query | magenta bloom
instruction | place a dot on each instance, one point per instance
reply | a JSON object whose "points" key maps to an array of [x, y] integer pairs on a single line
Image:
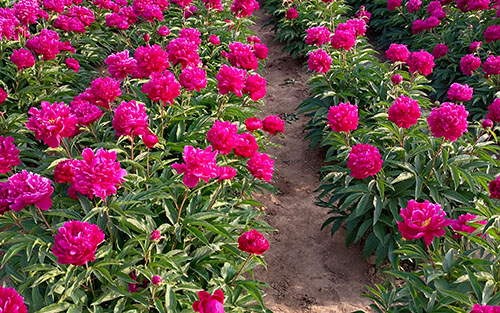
{"points": [[150, 140], [215, 40], [226, 173], [150, 59], [413, 5], [393, 4], [164, 31], [85, 112], [359, 26], [244, 8], [9, 24], [3, 95], [461, 225], [253, 242], [343, 117], [494, 188], [261, 166], [104, 91], [9, 154], [183, 51], [223, 136], [344, 37], [253, 123], [423, 219], [51, 123], [246, 146], [22, 58], [255, 86], [76, 243], [492, 66], [319, 61], [397, 53], [492, 33], [469, 63], [131, 119], [156, 280], [193, 78], [487, 123], [364, 160], [440, 50], [64, 171], [475, 45], [421, 62], [404, 112], [120, 65], [477, 308], [291, 14], [98, 174], [26, 188], [155, 235], [273, 124], [318, 35], [448, 121], [162, 87], [460, 92], [231, 79], [396, 79], [241, 55], [209, 303], [46, 44], [4, 201], [200, 164], [11, 301], [72, 64], [363, 14], [494, 111]]}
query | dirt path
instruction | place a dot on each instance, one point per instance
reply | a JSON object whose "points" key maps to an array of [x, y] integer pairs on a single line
{"points": [[308, 270]]}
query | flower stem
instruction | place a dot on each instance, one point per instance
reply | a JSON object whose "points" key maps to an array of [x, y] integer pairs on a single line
{"points": [[179, 210], [430, 257], [147, 164], [66, 148], [132, 148], [347, 139], [43, 218], [90, 279], [18, 222], [215, 196], [241, 269]]}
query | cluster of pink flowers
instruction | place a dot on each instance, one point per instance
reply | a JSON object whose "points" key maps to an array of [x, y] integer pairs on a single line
{"points": [[85, 112], [492, 33], [9, 154], [427, 24], [253, 242], [460, 92], [494, 111], [477, 308], [76, 243], [241, 55], [469, 63], [319, 61], [244, 8], [363, 14], [22, 58], [121, 19], [11, 301], [440, 50], [45, 44], [231, 79], [421, 62], [261, 166], [423, 220], [364, 160], [9, 24], [113, 5], [460, 224], [223, 136], [150, 9], [393, 4], [343, 117], [193, 78], [52, 123], [150, 59], [120, 65], [345, 35], [448, 121], [131, 119], [318, 35], [76, 19], [397, 53], [208, 303], [413, 5], [27, 188], [435, 9], [162, 87], [405, 112], [199, 164], [491, 66]]}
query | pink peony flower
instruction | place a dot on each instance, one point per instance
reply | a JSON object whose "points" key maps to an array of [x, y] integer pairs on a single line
{"points": [[461, 225], [223, 136], [253, 242], [52, 122], [12, 302], [192, 34], [253, 123], [215, 40], [319, 61], [363, 14], [98, 174], [469, 63], [156, 280], [193, 78], [448, 121], [4, 202], [231, 79], [460, 92], [164, 31], [491, 66], [72, 64], [397, 53], [291, 13], [150, 140], [150, 59], [358, 25], [190, 11], [183, 51], [423, 219], [485, 309], [421, 62], [255, 86], [318, 35], [26, 188], [244, 8], [396, 79], [76, 243], [393, 4], [241, 55], [475, 45], [413, 5], [273, 124], [440, 50], [155, 236], [404, 112], [260, 50], [215, 5], [343, 117], [246, 145], [162, 87], [199, 164], [104, 91], [261, 166], [46, 43], [226, 173], [85, 112], [3, 96], [22, 58], [418, 26], [364, 160], [494, 188], [492, 33], [120, 65], [131, 119], [487, 123], [209, 303], [436, 9], [9, 24], [344, 37], [9, 154], [494, 111], [64, 172]]}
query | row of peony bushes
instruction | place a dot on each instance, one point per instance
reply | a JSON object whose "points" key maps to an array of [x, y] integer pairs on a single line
{"points": [[414, 180], [129, 151]]}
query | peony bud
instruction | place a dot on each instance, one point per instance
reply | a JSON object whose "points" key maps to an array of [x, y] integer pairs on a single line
{"points": [[156, 280], [155, 236], [150, 140], [396, 79]]}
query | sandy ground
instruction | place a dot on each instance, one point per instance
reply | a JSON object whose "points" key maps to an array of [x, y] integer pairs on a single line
{"points": [[308, 270]]}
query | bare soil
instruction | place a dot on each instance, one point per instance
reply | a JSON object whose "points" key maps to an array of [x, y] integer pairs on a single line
{"points": [[308, 270]]}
